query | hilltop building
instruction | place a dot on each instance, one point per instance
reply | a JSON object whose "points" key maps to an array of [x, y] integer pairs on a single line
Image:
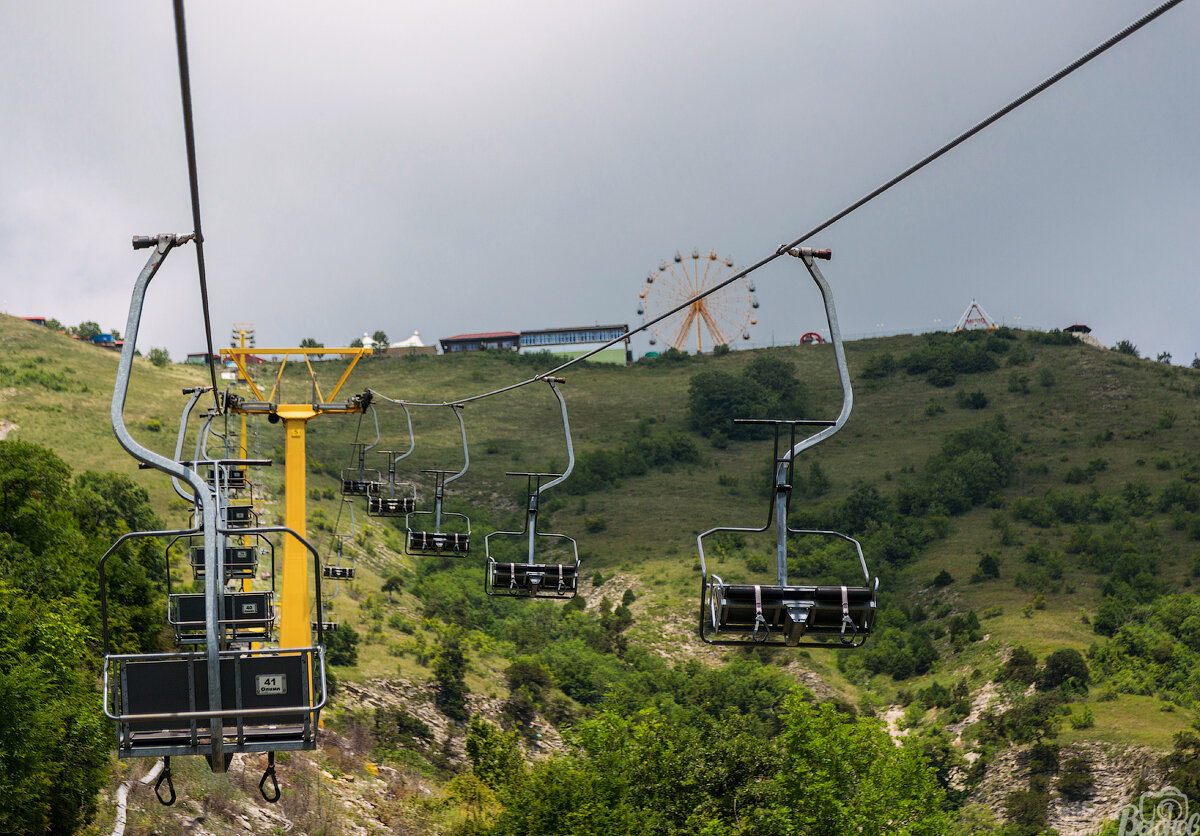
{"points": [[570, 343], [1083, 333], [412, 345], [489, 341]]}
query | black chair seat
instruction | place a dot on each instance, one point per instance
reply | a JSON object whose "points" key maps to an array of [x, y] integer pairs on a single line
{"points": [[535, 580], [276, 682], [248, 616], [240, 561], [388, 506], [429, 542], [792, 613], [339, 572], [239, 516]]}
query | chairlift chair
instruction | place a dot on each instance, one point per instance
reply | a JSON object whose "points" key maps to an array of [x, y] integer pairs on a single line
{"points": [[248, 617], [339, 566], [531, 578], [240, 515], [239, 561], [212, 700], [384, 499], [436, 541], [358, 478], [792, 615], [323, 617], [231, 477]]}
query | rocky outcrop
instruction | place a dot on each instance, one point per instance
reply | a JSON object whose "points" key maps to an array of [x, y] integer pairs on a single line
{"points": [[1117, 772]]}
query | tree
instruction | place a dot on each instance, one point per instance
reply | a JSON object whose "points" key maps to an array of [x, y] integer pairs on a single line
{"points": [[309, 342], [449, 671], [86, 330], [1126, 347], [356, 342], [1163, 357], [381, 341], [394, 583], [716, 398], [341, 646], [1065, 667], [53, 737], [1021, 667], [160, 357], [989, 566], [495, 756], [843, 774]]}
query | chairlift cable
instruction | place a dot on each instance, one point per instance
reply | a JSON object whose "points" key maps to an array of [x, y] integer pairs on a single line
{"points": [[185, 94], [858, 204]]}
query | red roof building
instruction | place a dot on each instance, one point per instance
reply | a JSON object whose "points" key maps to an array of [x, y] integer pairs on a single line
{"points": [[492, 340]]}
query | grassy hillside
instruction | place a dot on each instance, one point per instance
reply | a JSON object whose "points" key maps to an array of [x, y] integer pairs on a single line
{"points": [[1104, 481], [58, 392]]}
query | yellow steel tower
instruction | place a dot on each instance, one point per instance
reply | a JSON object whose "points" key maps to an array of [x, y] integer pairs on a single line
{"points": [[295, 626]]}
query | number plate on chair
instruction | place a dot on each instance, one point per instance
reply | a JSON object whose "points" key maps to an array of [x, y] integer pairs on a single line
{"points": [[270, 683]]}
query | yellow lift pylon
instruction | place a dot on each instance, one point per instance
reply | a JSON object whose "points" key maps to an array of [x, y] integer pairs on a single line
{"points": [[243, 331], [295, 624]]}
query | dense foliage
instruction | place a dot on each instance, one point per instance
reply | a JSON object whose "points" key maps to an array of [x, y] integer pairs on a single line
{"points": [[645, 448], [53, 738], [644, 773], [766, 388]]}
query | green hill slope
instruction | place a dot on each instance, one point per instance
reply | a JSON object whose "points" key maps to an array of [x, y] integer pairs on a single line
{"points": [[1087, 541]]}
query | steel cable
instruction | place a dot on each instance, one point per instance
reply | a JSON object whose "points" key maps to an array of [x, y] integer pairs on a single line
{"points": [[185, 94]]}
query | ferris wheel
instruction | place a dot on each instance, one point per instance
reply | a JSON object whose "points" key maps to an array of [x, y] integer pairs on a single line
{"points": [[716, 319]]}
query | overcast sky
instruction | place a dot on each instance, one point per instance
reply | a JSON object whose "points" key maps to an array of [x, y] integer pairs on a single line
{"points": [[455, 167]]}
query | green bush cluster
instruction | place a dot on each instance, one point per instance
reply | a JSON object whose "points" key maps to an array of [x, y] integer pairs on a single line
{"points": [[643, 450], [945, 355], [824, 772], [1155, 650], [53, 529], [766, 388], [31, 375]]}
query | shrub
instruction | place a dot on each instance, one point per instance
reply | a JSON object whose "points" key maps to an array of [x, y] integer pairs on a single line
{"points": [[1021, 667], [1075, 780], [880, 366], [766, 388], [1085, 719], [595, 523], [972, 400], [1064, 668], [341, 646]]}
